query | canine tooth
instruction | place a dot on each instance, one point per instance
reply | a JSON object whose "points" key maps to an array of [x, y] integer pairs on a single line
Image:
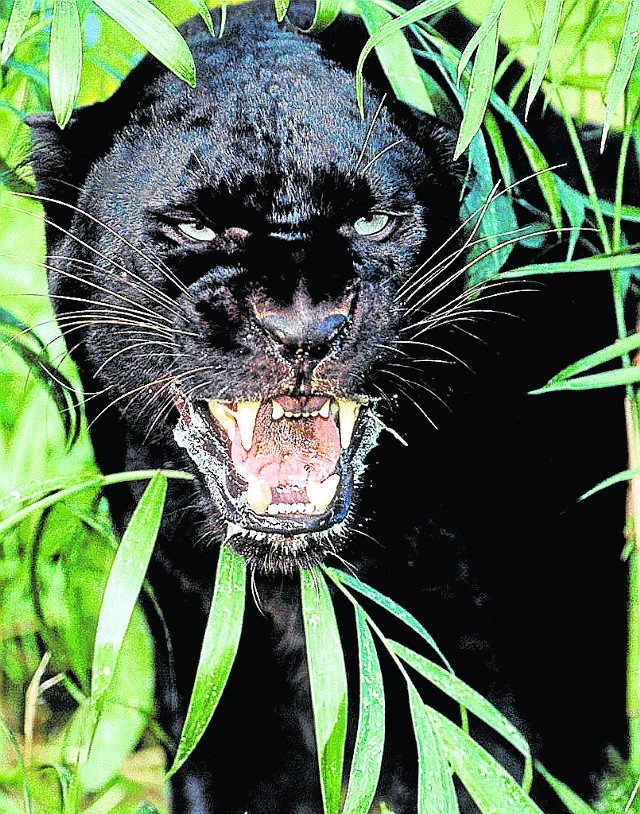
{"points": [[224, 416], [277, 411], [232, 531], [348, 415], [324, 410], [321, 494], [258, 495], [246, 413]]}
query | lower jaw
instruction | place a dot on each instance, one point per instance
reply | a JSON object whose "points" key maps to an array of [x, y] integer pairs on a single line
{"points": [[283, 553]]}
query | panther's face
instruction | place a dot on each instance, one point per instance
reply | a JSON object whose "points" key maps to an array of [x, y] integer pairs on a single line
{"points": [[242, 262]]}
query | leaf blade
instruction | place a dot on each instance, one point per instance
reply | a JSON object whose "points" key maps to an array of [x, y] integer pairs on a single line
{"points": [[125, 583], [219, 648], [21, 11], [548, 35], [436, 791], [155, 31], [328, 682], [65, 59], [367, 752]]}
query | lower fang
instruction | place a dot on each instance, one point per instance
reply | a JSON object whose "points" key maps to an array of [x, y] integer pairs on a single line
{"points": [[321, 494], [258, 495]]}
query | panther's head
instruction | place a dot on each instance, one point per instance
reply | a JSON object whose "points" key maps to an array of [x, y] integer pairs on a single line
{"points": [[237, 264]]}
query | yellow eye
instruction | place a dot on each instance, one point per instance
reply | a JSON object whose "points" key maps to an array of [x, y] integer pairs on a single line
{"points": [[197, 231], [371, 225]]}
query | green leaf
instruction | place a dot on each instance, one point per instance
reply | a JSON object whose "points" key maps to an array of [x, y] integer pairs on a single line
{"points": [[480, 88], [419, 12], [571, 800], [389, 605], [598, 262], [367, 753], [328, 681], [610, 378], [493, 15], [153, 30], [619, 348], [125, 582], [20, 14], [625, 60], [436, 792], [324, 14], [22, 769], [469, 698], [489, 784], [65, 59], [48, 499], [620, 477], [203, 10], [281, 7], [218, 653], [546, 41], [397, 59]]}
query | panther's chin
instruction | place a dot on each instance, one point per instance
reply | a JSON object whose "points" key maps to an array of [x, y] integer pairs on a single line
{"points": [[282, 473]]}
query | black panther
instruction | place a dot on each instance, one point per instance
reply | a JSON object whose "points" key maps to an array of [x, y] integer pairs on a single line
{"points": [[265, 289]]}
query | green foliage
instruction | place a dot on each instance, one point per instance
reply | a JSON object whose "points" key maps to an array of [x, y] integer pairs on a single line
{"points": [[69, 589]]}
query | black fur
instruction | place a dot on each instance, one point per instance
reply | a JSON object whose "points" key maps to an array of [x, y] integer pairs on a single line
{"points": [[474, 527]]}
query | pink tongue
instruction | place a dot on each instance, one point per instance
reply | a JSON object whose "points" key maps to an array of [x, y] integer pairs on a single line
{"points": [[289, 451]]}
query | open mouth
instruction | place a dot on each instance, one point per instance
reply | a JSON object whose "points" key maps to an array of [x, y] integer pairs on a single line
{"points": [[281, 465]]}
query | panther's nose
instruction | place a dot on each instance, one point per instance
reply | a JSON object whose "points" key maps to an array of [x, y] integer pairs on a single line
{"points": [[304, 323]]}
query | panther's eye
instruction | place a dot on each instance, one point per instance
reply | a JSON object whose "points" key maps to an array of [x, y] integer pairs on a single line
{"points": [[197, 231], [371, 225]]}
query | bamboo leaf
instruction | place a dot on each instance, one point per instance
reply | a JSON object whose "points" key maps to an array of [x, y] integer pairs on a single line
{"points": [[489, 784], [625, 60], [43, 501], [492, 17], [419, 12], [65, 59], [436, 791], [397, 59], [153, 30], [389, 605], [620, 477], [367, 753], [203, 10], [22, 769], [610, 378], [328, 681], [324, 14], [598, 262], [618, 349], [468, 698], [125, 582], [574, 804], [281, 7], [20, 14], [219, 648], [480, 88], [546, 41]]}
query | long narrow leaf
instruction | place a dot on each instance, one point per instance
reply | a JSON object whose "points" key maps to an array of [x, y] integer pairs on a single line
{"points": [[625, 60], [155, 31], [396, 58], [484, 66], [619, 477], [469, 698], [328, 681], [65, 59], [610, 378], [125, 582], [367, 753], [219, 648], [618, 349], [20, 13], [324, 14], [546, 41], [419, 12], [489, 784], [571, 800], [26, 795], [389, 605], [436, 791], [599, 262], [493, 15]]}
